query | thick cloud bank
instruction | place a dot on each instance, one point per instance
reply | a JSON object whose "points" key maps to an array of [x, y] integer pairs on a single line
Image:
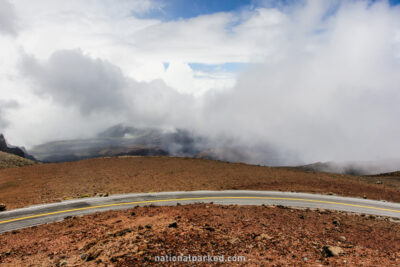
{"points": [[8, 18], [5, 105], [70, 78], [322, 82]]}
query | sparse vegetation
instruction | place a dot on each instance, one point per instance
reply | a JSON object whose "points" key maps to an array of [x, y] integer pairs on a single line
{"points": [[10, 161]]}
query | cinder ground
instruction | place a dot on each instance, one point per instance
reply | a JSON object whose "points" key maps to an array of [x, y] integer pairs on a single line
{"points": [[265, 235], [45, 183]]}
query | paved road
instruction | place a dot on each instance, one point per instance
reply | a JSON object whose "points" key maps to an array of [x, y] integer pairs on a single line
{"points": [[41, 214]]}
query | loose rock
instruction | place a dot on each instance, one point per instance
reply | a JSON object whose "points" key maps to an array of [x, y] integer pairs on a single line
{"points": [[2, 207], [173, 225], [331, 251]]}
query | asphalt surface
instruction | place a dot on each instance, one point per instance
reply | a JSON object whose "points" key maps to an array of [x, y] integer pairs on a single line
{"points": [[41, 214]]}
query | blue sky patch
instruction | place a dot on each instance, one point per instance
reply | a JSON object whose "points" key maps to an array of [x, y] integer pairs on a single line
{"points": [[184, 9], [225, 67]]}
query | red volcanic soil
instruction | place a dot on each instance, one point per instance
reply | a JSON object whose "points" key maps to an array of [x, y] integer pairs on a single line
{"points": [[264, 235], [44, 183]]}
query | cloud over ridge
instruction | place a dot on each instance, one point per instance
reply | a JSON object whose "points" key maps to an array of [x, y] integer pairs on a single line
{"points": [[322, 80]]}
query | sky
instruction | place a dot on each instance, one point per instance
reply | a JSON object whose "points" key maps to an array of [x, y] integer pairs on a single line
{"points": [[182, 9], [314, 80]]}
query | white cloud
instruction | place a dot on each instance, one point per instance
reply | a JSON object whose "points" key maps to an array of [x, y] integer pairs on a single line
{"points": [[71, 78], [8, 18], [337, 101], [322, 82], [188, 81], [5, 105]]}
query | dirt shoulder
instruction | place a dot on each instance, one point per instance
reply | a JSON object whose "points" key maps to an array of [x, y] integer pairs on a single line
{"points": [[262, 234], [45, 183]]}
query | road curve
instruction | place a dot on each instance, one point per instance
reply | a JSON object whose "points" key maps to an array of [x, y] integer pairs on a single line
{"points": [[41, 214]]}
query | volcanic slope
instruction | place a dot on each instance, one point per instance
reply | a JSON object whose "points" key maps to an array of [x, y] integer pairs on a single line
{"points": [[46, 183]]}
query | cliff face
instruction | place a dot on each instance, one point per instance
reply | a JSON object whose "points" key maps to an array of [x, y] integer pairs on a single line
{"points": [[12, 149]]}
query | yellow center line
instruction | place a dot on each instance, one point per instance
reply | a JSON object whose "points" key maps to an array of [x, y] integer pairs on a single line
{"points": [[194, 198]]}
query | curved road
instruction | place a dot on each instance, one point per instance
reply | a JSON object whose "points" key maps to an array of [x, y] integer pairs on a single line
{"points": [[41, 214]]}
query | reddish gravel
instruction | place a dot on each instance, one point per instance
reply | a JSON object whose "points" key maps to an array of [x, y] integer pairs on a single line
{"points": [[265, 235], [46, 183]]}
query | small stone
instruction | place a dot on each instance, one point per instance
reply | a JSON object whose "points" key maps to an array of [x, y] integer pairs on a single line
{"points": [[331, 251], [2, 207], [173, 225], [93, 254], [262, 237], [322, 211], [233, 240], [342, 238], [379, 182], [62, 263], [106, 194], [83, 256], [123, 232]]}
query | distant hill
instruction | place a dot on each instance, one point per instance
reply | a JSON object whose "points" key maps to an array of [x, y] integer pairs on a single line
{"points": [[120, 140], [387, 174], [10, 160], [354, 168]]}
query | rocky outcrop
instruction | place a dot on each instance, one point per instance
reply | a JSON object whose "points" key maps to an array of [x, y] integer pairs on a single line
{"points": [[4, 147]]}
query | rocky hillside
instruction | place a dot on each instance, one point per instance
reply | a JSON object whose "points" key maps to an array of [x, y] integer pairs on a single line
{"points": [[9, 161], [18, 151], [118, 141]]}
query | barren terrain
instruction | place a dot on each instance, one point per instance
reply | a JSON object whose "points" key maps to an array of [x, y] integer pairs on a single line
{"points": [[44, 183], [265, 235]]}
